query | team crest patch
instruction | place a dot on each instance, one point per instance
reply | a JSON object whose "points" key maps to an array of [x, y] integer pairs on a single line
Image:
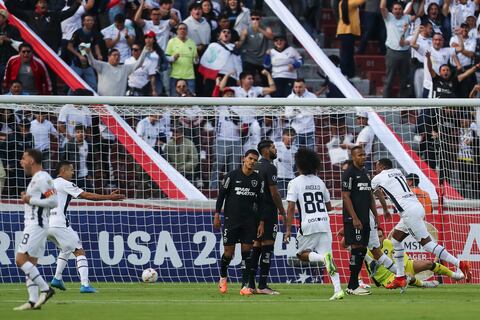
{"points": [[358, 237], [274, 178], [254, 183]]}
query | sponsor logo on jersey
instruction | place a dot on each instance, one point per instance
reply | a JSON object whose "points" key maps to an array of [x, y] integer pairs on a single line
{"points": [[364, 186], [243, 191]]}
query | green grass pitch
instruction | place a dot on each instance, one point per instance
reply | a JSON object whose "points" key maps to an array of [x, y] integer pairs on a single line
{"points": [[202, 301]]}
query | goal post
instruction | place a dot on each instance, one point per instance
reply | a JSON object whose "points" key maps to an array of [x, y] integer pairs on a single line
{"points": [[175, 236]]}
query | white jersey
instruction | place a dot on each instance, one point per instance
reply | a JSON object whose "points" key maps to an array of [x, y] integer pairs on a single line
{"points": [[66, 190], [394, 184], [42, 198], [311, 195]]}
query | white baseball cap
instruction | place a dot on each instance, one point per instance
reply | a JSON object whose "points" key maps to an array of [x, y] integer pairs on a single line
{"points": [[362, 114]]}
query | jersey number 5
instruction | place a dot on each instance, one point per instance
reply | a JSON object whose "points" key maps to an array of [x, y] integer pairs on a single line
{"points": [[313, 202]]}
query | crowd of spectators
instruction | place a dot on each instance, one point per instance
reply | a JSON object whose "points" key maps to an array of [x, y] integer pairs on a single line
{"points": [[225, 48]]}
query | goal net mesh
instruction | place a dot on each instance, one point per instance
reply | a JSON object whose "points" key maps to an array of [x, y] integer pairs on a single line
{"points": [[200, 143]]}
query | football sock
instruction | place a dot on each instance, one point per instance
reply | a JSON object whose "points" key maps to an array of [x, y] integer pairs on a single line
{"points": [[398, 256], [224, 262], [254, 266], [416, 283], [336, 282], [441, 269], [265, 265], [82, 268], [356, 261], [246, 258], [387, 263], [32, 289], [62, 262], [441, 253], [315, 257], [32, 272]]}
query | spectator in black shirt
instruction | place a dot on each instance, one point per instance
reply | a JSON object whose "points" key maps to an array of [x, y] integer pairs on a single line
{"points": [[80, 64], [263, 247], [8, 35], [357, 203], [242, 192], [224, 24], [446, 83]]}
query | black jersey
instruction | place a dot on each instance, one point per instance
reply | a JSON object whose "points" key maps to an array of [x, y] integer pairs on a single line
{"points": [[243, 196], [357, 182], [268, 172]]}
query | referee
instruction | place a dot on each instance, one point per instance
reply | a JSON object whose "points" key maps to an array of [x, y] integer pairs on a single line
{"points": [[357, 202], [242, 192], [272, 205]]}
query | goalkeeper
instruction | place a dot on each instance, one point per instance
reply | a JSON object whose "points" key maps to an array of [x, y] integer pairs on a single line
{"points": [[381, 276]]}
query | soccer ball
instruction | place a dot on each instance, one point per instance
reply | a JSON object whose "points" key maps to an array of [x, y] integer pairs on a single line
{"points": [[149, 275]]}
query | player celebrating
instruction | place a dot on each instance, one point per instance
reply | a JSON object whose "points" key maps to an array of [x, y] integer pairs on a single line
{"points": [[357, 203], [242, 192], [383, 277], [412, 213], [263, 247], [60, 231], [39, 199], [314, 242]]}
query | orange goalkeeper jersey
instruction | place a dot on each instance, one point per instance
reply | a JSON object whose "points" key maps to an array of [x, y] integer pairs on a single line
{"points": [[424, 199]]}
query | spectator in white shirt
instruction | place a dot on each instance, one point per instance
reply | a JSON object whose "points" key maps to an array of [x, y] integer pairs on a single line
{"points": [[120, 35], [284, 61], [465, 57], [79, 152], [439, 56], [43, 131], [285, 160], [199, 30], [300, 119], [72, 24], [154, 131], [364, 139], [71, 116], [397, 59], [142, 81], [228, 145], [156, 24], [425, 38]]}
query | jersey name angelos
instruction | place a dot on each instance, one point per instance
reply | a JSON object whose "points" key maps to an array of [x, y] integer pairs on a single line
{"points": [[394, 184], [311, 195], [66, 190]]}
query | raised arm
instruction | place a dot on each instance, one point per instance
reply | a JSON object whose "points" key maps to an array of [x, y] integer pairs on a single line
{"points": [[138, 15], [271, 84], [429, 64], [383, 9], [468, 73], [62, 15]]}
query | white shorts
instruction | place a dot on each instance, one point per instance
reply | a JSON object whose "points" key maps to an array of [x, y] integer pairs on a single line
{"points": [[65, 238], [373, 240], [412, 222], [320, 242], [33, 241]]}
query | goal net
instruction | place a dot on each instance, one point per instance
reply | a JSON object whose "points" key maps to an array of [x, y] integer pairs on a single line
{"points": [[168, 155]]}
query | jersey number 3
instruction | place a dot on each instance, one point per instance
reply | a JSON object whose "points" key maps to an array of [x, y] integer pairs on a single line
{"points": [[313, 202]]}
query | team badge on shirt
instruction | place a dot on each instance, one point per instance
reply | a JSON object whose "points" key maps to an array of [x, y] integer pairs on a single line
{"points": [[254, 183]]}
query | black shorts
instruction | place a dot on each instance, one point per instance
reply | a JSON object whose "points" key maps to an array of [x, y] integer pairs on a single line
{"points": [[240, 233], [270, 227], [355, 236]]}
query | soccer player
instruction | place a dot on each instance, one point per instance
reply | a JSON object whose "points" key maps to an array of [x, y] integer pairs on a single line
{"points": [[383, 277], [242, 192], [373, 240], [263, 247], [39, 198], [357, 203], [60, 231], [392, 182], [314, 241]]}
